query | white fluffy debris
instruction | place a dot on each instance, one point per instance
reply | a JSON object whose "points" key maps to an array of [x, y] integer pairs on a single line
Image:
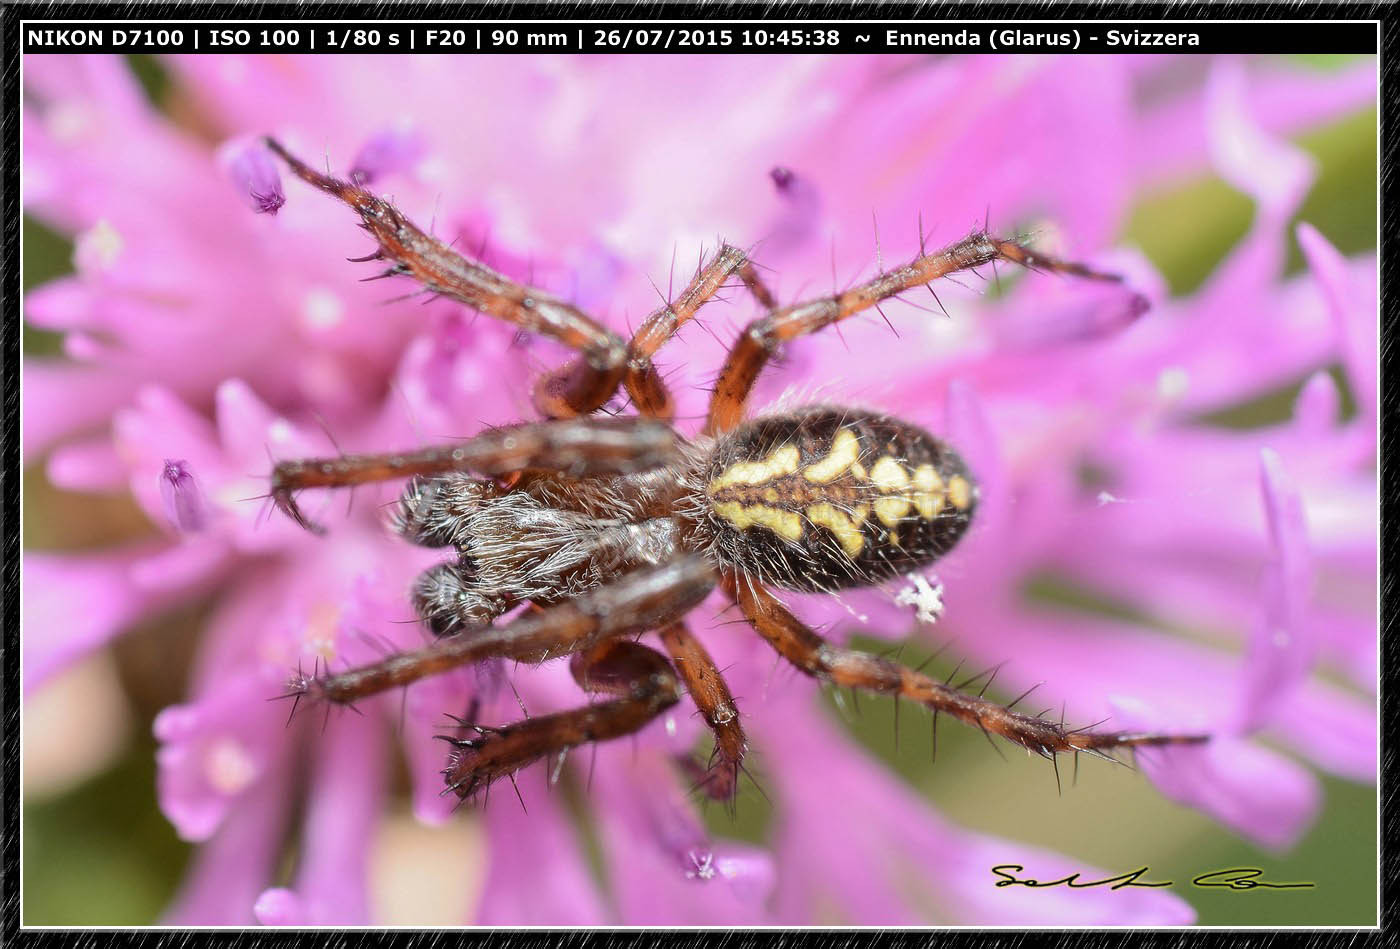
{"points": [[925, 597]]}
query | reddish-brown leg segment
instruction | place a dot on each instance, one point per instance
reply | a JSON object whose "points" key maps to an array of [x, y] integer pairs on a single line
{"points": [[761, 339], [644, 383], [585, 385], [711, 695], [638, 602], [809, 652], [641, 679], [577, 447]]}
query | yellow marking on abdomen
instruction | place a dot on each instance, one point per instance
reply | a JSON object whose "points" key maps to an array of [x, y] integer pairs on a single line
{"points": [[891, 510], [890, 478], [889, 475], [960, 492], [846, 528], [928, 488], [786, 524], [845, 453], [781, 461]]}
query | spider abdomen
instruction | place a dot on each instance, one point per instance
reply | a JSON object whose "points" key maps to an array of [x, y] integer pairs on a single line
{"points": [[826, 498]]}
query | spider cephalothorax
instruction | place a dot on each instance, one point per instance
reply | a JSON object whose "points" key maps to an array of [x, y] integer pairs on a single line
{"points": [[611, 527]]}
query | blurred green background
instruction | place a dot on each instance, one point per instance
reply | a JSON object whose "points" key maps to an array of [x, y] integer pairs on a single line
{"points": [[98, 852]]}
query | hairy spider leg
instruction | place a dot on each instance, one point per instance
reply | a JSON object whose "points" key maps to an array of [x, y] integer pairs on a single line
{"points": [[639, 601], [644, 384], [808, 651], [711, 696], [642, 680], [762, 337], [579, 447], [587, 383]]}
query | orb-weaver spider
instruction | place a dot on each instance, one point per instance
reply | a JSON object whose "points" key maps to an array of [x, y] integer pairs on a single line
{"points": [[612, 526]]}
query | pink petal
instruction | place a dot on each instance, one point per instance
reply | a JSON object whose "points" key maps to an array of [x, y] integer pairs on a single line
{"points": [[1095, 313], [973, 437], [215, 750], [537, 875], [59, 305], [1317, 407], [388, 152], [798, 213], [73, 604], [980, 901], [1286, 99], [227, 873], [1281, 651], [1336, 730], [1269, 170], [61, 398], [89, 465], [280, 906], [1244, 786], [426, 706], [663, 866], [342, 815], [183, 567], [858, 867], [1352, 310]]}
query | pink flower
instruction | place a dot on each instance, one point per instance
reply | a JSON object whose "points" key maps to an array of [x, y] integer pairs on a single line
{"points": [[202, 339]]}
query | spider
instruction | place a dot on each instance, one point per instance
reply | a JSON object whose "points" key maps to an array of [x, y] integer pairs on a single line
{"points": [[611, 527]]}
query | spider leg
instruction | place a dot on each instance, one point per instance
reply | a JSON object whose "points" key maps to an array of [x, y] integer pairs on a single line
{"points": [[644, 383], [809, 652], [580, 389], [642, 681], [637, 602], [579, 447], [762, 338], [711, 695]]}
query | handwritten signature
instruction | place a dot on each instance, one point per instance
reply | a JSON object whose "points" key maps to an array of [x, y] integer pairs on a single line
{"points": [[1235, 878]]}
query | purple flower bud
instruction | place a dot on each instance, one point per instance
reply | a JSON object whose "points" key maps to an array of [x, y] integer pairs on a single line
{"points": [[255, 175], [390, 151], [179, 492]]}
